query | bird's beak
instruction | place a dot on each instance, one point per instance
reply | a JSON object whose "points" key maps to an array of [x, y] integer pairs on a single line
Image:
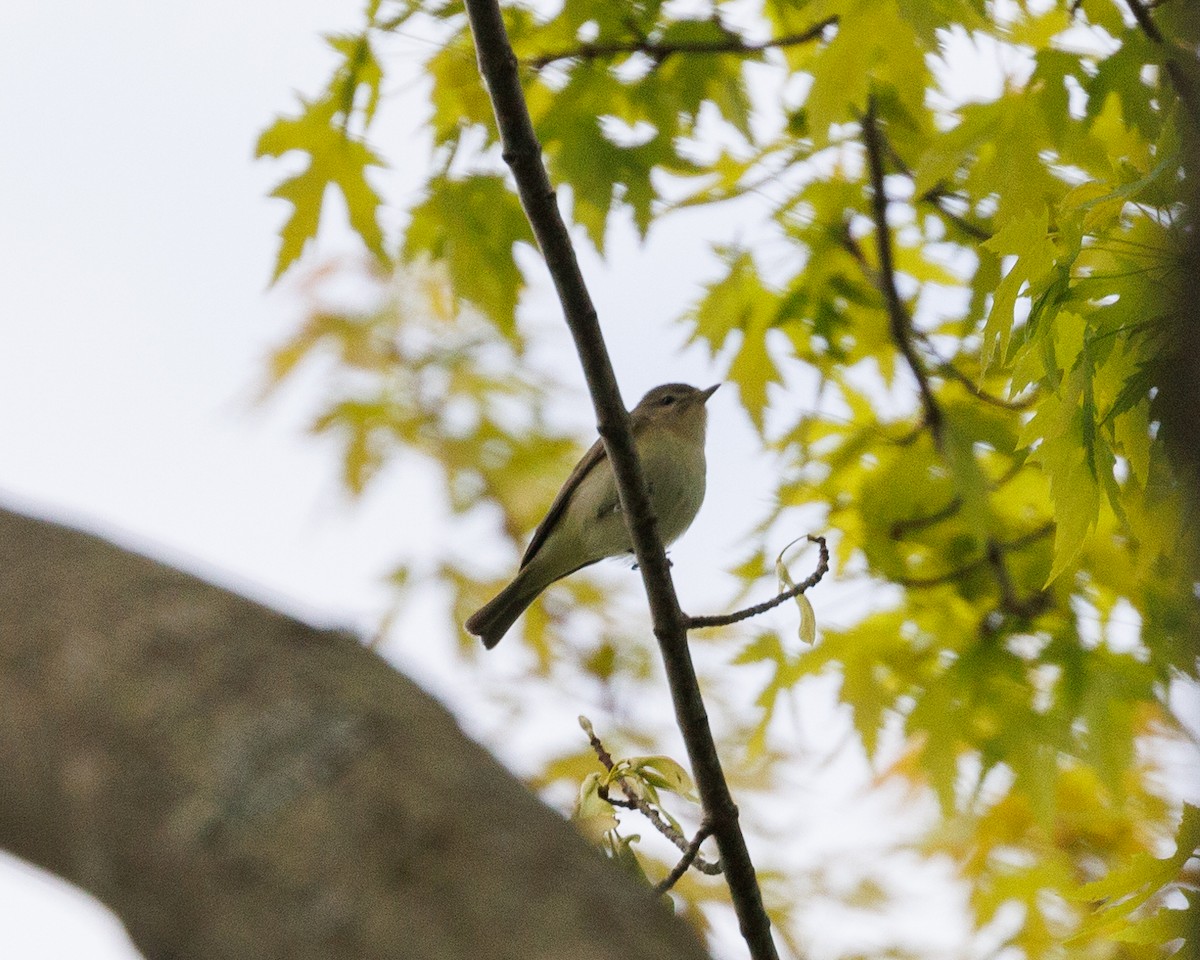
{"points": [[705, 394]]}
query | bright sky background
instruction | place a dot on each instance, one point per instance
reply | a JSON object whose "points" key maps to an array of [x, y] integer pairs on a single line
{"points": [[135, 249]]}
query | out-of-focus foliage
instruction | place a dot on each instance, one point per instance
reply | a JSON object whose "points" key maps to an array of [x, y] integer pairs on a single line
{"points": [[1039, 554]]}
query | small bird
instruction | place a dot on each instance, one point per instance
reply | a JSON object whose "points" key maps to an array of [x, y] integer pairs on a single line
{"points": [[585, 524]]}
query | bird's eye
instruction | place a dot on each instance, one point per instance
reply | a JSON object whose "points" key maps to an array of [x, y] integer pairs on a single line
{"points": [[667, 400]]}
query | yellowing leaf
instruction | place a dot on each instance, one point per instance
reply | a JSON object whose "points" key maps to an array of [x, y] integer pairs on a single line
{"points": [[664, 773], [1124, 145], [1038, 29], [593, 813], [807, 630]]}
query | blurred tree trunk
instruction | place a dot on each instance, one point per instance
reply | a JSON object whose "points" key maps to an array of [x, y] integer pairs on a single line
{"points": [[1177, 403], [234, 783]]}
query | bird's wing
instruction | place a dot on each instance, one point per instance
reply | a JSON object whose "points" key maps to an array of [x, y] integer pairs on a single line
{"points": [[559, 506]]}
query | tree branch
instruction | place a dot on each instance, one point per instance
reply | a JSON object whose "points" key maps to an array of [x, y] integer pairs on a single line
{"points": [[1142, 16], [660, 51], [907, 525], [234, 783], [1184, 86], [994, 550], [937, 197], [949, 370], [944, 368], [901, 322], [725, 619], [1009, 601], [639, 803], [522, 153], [689, 855]]}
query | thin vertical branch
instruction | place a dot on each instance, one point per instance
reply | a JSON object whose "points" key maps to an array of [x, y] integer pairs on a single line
{"points": [[899, 320], [522, 153]]}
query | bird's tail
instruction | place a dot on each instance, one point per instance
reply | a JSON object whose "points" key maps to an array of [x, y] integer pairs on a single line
{"points": [[493, 620]]}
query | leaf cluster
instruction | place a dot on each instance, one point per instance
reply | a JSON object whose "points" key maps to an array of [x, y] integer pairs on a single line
{"points": [[978, 297]]}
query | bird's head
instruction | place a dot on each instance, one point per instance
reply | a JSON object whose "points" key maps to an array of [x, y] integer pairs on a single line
{"points": [[677, 406]]}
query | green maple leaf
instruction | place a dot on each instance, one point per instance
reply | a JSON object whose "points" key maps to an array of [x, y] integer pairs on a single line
{"points": [[335, 159], [1028, 237], [472, 225]]}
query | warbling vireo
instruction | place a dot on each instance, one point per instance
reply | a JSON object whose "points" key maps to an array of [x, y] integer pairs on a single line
{"points": [[585, 523]]}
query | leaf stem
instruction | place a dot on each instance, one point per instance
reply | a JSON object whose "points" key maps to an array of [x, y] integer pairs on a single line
{"points": [[994, 551]]}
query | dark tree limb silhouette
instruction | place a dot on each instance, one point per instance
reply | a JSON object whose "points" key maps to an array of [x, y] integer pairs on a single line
{"points": [[234, 783]]}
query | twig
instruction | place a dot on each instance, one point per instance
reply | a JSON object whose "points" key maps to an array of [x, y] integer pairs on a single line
{"points": [[522, 152], [907, 525], [634, 801], [909, 438], [936, 195], [597, 744], [660, 51], [1009, 601], [901, 322], [1018, 543], [1188, 93], [1142, 16], [912, 524], [690, 854], [946, 368], [725, 619]]}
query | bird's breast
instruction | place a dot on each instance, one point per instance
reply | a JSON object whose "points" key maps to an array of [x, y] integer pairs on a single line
{"points": [[674, 469]]}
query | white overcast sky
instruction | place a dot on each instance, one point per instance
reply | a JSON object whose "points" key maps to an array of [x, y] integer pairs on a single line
{"points": [[135, 248]]}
